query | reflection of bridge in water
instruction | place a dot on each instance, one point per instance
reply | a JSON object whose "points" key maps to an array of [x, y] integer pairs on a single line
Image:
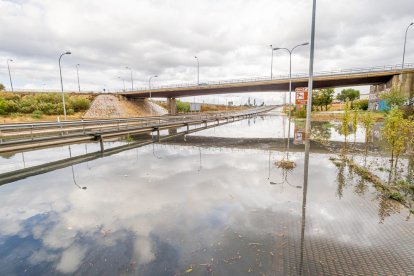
{"points": [[265, 144]]}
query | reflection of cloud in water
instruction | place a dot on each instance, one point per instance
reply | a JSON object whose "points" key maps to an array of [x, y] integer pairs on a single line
{"points": [[149, 214], [71, 259]]}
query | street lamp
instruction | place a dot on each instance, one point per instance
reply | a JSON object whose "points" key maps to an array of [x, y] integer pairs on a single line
{"points": [[149, 86], [271, 63], [132, 80], [290, 82], [290, 68], [405, 42], [77, 73], [198, 74], [61, 82], [8, 67], [198, 70], [123, 82]]}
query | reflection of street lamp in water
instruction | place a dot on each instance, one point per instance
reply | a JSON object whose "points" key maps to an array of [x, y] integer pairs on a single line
{"points": [[153, 152], [73, 172], [200, 165], [74, 181]]}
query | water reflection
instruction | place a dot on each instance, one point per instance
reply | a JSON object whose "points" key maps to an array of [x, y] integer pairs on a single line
{"points": [[199, 210]]}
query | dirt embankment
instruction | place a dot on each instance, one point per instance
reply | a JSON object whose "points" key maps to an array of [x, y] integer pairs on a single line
{"points": [[112, 106]]}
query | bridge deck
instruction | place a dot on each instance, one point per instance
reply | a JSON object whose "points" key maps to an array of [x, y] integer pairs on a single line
{"points": [[341, 78]]}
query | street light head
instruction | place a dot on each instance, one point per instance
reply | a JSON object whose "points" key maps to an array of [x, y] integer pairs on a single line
{"points": [[10, 59], [412, 23], [304, 44], [275, 49], [156, 76], [68, 53], [195, 57]]}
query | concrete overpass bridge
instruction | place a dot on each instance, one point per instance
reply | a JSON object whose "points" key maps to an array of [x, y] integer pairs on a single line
{"points": [[386, 76], [326, 79]]}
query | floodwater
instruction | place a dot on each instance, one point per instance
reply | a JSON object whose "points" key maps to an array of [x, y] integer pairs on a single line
{"points": [[193, 206]]}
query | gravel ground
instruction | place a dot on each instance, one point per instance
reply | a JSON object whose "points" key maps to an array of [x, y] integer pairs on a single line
{"points": [[111, 106]]}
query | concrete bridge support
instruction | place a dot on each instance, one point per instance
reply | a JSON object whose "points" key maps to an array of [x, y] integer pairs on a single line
{"points": [[172, 106], [404, 82]]}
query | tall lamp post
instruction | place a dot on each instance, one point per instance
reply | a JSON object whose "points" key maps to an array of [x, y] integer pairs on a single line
{"points": [[8, 67], [198, 70], [123, 81], [77, 73], [198, 74], [132, 80], [61, 83], [271, 63], [149, 86], [405, 42], [290, 68]]}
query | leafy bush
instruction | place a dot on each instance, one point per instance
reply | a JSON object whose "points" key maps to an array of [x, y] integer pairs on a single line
{"points": [[183, 107], [79, 103], [361, 104], [300, 113], [3, 107], [37, 114], [394, 97], [46, 103]]}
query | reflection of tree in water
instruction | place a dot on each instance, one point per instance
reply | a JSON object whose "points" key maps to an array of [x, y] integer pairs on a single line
{"points": [[387, 207], [338, 128], [361, 187], [340, 179], [321, 131]]}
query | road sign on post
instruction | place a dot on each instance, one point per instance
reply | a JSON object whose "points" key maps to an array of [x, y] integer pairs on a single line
{"points": [[301, 97]]}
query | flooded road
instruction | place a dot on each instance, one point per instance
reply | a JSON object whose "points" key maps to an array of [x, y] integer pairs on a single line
{"points": [[178, 208]]}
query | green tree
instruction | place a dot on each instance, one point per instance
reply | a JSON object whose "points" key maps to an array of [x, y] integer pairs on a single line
{"points": [[350, 94], [394, 97], [327, 97], [355, 122], [2, 87], [323, 97], [396, 131], [346, 120], [367, 122]]}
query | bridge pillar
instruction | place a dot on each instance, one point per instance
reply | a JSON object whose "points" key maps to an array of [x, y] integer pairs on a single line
{"points": [[172, 106], [404, 82]]}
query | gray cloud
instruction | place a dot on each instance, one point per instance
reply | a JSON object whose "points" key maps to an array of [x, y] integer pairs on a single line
{"points": [[231, 38]]}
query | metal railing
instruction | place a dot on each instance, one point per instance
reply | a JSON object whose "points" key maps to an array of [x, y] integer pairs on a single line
{"points": [[26, 132]]}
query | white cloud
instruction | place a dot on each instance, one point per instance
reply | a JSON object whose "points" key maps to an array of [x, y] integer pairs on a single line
{"points": [[231, 39]]}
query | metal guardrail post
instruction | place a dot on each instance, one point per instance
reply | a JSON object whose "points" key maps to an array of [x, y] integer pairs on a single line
{"points": [[101, 143]]}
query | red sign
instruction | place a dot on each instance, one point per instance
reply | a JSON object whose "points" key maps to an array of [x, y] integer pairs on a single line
{"points": [[301, 95]]}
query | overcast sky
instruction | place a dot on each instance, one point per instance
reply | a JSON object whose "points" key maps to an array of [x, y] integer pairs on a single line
{"points": [[230, 37]]}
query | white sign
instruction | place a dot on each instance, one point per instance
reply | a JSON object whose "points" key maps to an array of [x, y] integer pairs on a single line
{"points": [[195, 107]]}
